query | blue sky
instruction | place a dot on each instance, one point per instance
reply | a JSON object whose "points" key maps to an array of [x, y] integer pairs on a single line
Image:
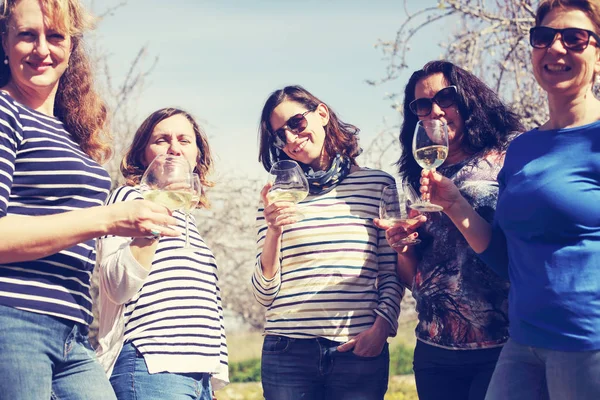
{"points": [[220, 59]]}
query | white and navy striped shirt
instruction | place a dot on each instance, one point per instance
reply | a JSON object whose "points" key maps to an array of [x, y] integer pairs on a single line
{"points": [[175, 319], [337, 270], [42, 172]]}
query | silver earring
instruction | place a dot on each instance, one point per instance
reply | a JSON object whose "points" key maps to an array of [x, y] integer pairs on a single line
{"points": [[5, 60]]}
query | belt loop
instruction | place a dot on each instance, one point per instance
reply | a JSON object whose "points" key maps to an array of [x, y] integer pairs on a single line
{"points": [[205, 380]]}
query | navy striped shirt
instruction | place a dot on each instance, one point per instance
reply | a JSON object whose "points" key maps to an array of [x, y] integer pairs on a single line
{"points": [[43, 171], [176, 319]]}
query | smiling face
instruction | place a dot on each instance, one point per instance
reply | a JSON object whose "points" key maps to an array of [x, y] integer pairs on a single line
{"points": [[427, 87], [561, 71], [307, 146], [38, 54], [174, 135]]}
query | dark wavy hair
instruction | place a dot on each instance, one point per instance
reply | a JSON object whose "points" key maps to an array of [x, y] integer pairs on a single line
{"points": [[77, 103], [340, 137], [132, 165], [488, 123]]}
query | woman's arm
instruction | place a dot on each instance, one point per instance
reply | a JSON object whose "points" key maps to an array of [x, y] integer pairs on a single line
{"points": [[266, 277], [25, 238]]}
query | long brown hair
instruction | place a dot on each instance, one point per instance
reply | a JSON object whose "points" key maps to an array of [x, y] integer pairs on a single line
{"points": [[77, 103], [132, 166], [340, 137]]}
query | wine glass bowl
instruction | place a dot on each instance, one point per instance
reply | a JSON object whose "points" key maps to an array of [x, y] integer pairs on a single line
{"points": [[430, 149], [167, 181], [288, 183], [395, 208]]}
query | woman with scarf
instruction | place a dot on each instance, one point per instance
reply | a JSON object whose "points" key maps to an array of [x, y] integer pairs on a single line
{"points": [[328, 281]]}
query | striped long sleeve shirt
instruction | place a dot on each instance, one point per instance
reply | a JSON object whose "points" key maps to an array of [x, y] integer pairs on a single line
{"points": [[172, 313], [43, 171], [337, 270]]}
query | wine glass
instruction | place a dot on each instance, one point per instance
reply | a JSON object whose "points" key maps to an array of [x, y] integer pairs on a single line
{"points": [[168, 181], [430, 149], [394, 208], [190, 207], [289, 183]]}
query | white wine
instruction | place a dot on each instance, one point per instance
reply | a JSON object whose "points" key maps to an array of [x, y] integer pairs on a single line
{"points": [[172, 199], [293, 195], [195, 199], [431, 157], [406, 223]]}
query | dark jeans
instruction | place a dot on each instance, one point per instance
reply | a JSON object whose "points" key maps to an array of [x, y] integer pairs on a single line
{"points": [[443, 374], [312, 369]]}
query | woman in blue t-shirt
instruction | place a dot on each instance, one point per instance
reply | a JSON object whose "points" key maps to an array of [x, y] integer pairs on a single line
{"points": [[545, 236]]}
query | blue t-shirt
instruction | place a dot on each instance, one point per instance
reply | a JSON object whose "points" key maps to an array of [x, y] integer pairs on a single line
{"points": [[42, 172], [546, 237]]}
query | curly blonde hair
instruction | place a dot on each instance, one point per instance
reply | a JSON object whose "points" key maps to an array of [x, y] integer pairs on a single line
{"points": [[132, 166], [77, 103]]}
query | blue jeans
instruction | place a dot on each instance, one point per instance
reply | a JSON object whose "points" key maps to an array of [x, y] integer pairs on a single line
{"points": [[453, 374], [313, 369], [132, 381], [44, 357], [532, 373]]}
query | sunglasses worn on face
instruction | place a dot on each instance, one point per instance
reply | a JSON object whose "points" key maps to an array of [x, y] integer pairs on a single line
{"points": [[444, 98], [542, 37], [296, 124]]}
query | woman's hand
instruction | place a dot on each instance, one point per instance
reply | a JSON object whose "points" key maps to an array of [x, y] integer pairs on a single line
{"points": [[396, 233], [370, 342], [140, 218], [439, 190], [279, 213]]}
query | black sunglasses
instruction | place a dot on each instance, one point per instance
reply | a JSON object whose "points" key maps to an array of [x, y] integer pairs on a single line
{"points": [[295, 124], [444, 98], [541, 37]]}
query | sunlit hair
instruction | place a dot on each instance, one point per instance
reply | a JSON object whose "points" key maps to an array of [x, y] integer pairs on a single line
{"points": [[77, 103], [488, 123], [340, 137], [132, 165], [590, 7]]}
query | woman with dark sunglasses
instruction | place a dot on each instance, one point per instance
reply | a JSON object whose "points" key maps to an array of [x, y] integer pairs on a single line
{"points": [[328, 281], [462, 305], [546, 233]]}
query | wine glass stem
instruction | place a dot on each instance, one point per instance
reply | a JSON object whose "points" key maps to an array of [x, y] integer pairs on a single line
{"points": [[187, 231]]}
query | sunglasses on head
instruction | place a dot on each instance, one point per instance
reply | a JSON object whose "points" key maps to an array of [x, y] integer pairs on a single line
{"points": [[542, 37], [295, 124], [444, 98]]}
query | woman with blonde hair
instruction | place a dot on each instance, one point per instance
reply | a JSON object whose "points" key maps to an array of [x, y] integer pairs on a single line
{"points": [[52, 190]]}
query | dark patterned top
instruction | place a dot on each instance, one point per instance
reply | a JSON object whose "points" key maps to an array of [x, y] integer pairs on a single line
{"points": [[461, 303]]}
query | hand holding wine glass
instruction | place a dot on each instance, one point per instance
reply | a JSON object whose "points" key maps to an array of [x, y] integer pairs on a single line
{"points": [[395, 213], [287, 184], [430, 149]]}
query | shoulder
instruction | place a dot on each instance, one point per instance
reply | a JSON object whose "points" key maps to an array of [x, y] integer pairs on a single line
{"points": [[124, 193], [364, 173]]}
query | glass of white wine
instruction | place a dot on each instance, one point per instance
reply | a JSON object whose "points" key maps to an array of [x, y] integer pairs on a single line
{"points": [[430, 149], [395, 208], [190, 207], [289, 183], [168, 181]]}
